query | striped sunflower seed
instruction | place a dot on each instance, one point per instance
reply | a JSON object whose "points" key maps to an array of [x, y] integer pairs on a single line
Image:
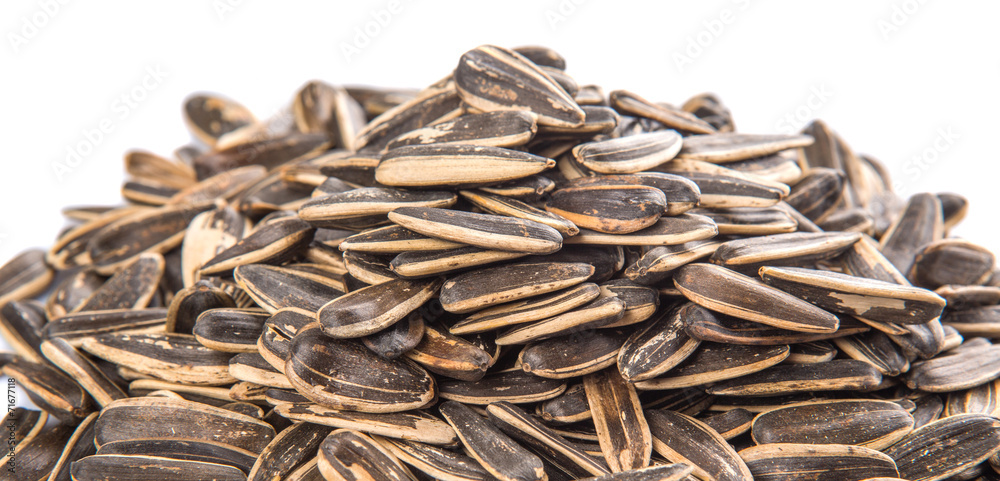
{"points": [[413, 426], [731, 147], [870, 423], [456, 165], [622, 430], [480, 230], [503, 128], [683, 439], [817, 462], [480, 289], [946, 447], [611, 208], [350, 455], [500, 455]]}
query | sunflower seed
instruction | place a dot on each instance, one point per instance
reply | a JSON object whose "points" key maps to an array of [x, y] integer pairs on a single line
{"points": [[371, 309], [684, 439], [983, 399], [714, 362], [516, 387], [716, 327], [496, 204], [414, 426], [656, 348], [952, 261], [596, 314], [487, 287], [435, 462], [963, 370], [322, 108], [818, 193], [659, 263], [554, 448], [838, 375], [75, 328], [229, 329], [750, 220], [817, 462], [501, 456], [275, 288], [919, 224], [50, 389], [410, 265], [64, 356], [480, 230], [143, 418], [131, 288], [182, 449], [569, 407], [731, 293], [621, 427], [611, 208], [870, 423], [274, 243], [508, 128], [666, 231], [573, 355], [493, 78], [731, 423], [796, 249], [445, 354], [263, 152], [946, 447], [171, 357], [867, 298], [731, 147], [626, 102], [456, 165]]}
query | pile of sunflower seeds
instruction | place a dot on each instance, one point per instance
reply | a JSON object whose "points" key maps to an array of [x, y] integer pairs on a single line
{"points": [[505, 275]]}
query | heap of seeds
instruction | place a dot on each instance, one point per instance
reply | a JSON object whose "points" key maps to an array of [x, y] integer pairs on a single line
{"points": [[504, 275]]}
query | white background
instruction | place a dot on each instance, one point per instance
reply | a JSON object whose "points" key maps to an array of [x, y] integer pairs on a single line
{"points": [[913, 83]]}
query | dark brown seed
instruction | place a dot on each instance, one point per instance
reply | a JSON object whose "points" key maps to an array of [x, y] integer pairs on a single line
{"points": [[500, 205], [432, 105], [980, 321], [436, 462], [796, 249], [145, 165], [27, 423], [967, 297], [414, 425], [64, 356], [149, 417], [319, 107], [131, 288], [818, 193], [870, 423], [275, 288], [666, 231], [371, 309], [661, 472], [641, 302], [838, 375], [729, 190], [963, 370], [751, 220], [526, 189], [946, 447], [569, 407], [659, 263], [656, 347], [116, 467], [877, 349], [273, 243], [77, 327], [50, 389], [394, 239], [67, 296], [611, 209], [70, 249], [22, 325], [268, 152], [626, 102], [731, 423], [731, 147], [500, 455], [782, 167], [731, 293], [683, 439], [350, 455], [518, 424], [79, 445], [681, 193], [493, 78], [711, 326], [445, 354], [863, 259], [397, 339], [209, 234], [191, 302], [368, 268], [516, 387], [456, 165], [599, 313], [480, 230], [714, 362], [817, 462], [184, 449], [572, 355], [496, 285], [952, 261], [622, 431], [154, 231], [626, 155], [230, 330], [506, 128], [867, 298], [410, 265], [251, 367], [335, 210], [209, 116], [171, 357], [343, 374], [919, 224]]}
